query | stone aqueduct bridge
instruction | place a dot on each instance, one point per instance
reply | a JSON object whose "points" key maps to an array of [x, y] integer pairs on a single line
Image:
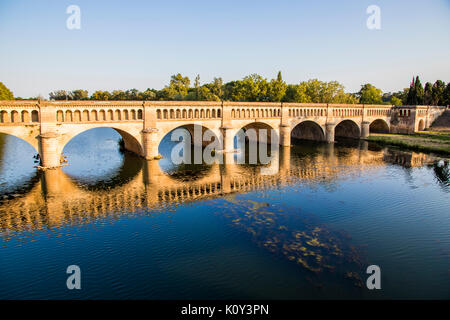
{"points": [[49, 125]]}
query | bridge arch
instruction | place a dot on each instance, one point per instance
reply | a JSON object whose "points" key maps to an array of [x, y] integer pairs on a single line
{"points": [[347, 129], [259, 127], [190, 127], [308, 130], [131, 141], [28, 135], [379, 126], [421, 125]]}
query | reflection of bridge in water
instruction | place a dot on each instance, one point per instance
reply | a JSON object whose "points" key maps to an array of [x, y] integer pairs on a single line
{"points": [[57, 199]]}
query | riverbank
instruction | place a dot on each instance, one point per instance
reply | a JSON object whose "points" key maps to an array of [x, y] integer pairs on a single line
{"points": [[436, 142]]}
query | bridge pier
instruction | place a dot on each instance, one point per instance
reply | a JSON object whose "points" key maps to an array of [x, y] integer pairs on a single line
{"points": [[365, 129], [49, 150], [329, 132], [228, 139], [150, 143], [285, 135]]}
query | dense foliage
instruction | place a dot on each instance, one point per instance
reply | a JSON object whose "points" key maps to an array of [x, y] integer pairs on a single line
{"points": [[251, 88], [5, 93], [256, 88]]}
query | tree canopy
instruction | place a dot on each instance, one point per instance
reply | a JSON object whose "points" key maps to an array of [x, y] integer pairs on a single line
{"points": [[5, 93], [369, 94], [255, 88]]}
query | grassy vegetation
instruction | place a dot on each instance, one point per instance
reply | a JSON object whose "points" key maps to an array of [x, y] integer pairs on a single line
{"points": [[436, 142]]}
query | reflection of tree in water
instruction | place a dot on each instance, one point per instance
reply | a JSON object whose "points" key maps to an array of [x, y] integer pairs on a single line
{"points": [[310, 245], [442, 172]]}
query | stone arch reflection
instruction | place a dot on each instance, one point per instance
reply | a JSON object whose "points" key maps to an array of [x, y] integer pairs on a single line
{"points": [[97, 159], [56, 198], [18, 159], [128, 141], [256, 144], [183, 159]]}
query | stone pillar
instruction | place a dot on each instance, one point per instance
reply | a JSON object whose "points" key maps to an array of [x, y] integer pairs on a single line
{"points": [[47, 116], [149, 114], [285, 135], [365, 129], [227, 139], [150, 143], [363, 146], [329, 152], [152, 175], [285, 161], [329, 134], [52, 183], [226, 172], [49, 150]]}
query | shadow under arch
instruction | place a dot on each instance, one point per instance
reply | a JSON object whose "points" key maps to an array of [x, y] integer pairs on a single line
{"points": [[347, 129], [262, 132], [421, 125], [186, 170], [308, 130], [379, 126], [257, 144], [123, 165]]}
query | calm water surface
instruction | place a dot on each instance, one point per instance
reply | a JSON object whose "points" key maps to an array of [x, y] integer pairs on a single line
{"points": [[154, 230]]}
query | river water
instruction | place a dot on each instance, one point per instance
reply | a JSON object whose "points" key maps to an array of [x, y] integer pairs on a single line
{"points": [[154, 230]]}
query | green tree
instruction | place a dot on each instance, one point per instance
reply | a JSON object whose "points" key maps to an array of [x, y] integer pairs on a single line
{"points": [[369, 94], [60, 95], [250, 88], [79, 94], [132, 94], [314, 90], [276, 89], [118, 95], [418, 91], [395, 101], [446, 95], [296, 93], [5, 93], [196, 95], [149, 94], [428, 94], [411, 98], [101, 95], [216, 87], [438, 93], [177, 89], [202, 93]]}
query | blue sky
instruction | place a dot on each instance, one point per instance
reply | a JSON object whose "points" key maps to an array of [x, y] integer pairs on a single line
{"points": [[140, 44]]}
